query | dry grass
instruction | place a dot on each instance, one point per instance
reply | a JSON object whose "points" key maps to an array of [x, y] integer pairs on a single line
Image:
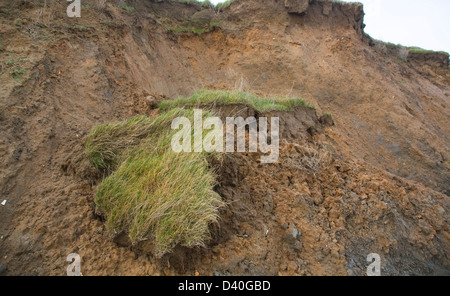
{"points": [[106, 143], [311, 158]]}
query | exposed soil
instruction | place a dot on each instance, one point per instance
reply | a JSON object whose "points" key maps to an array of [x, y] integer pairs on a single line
{"points": [[381, 184]]}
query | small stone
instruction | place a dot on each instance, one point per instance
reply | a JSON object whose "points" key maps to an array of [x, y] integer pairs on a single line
{"points": [[292, 266], [298, 246]]}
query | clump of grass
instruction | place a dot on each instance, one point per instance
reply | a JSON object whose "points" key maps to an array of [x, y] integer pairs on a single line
{"points": [[206, 96], [154, 193], [17, 73], [106, 143], [424, 51], [17, 67], [197, 31]]}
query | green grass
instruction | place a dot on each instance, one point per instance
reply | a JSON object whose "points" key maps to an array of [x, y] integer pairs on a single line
{"points": [[328, 113], [412, 49], [197, 31], [424, 51], [235, 97], [153, 193], [106, 143], [17, 73]]}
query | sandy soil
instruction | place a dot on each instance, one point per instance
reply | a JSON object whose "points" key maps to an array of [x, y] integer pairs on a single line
{"points": [[383, 187]]}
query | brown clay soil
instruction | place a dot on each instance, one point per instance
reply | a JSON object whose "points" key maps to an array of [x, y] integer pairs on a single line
{"points": [[378, 181]]}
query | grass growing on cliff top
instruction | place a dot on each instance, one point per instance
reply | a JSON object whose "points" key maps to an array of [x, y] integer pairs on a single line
{"points": [[415, 49], [106, 143], [154, 193], [235, 97]]}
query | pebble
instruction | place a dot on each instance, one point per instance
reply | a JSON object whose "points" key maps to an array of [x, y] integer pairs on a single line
{"points": [[296, 233], [298, 246]]}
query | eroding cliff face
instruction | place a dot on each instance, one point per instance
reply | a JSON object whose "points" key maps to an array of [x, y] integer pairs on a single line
{"points": [[432, 59], [384, 184], [418, 58]]}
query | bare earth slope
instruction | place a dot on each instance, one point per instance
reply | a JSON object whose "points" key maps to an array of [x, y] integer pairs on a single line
{"points": [[383, 189]]}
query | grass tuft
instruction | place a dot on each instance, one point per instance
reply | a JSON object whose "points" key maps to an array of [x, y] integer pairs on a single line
{"points": [[206, 96], [415, 49], [154, 193]]}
